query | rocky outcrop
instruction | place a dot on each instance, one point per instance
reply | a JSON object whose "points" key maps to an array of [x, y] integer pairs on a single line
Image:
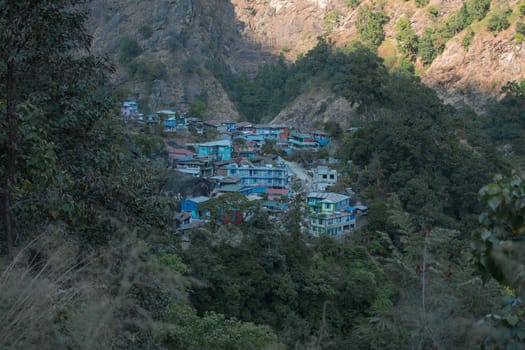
{"points": [[314, 108], [470, 77]]}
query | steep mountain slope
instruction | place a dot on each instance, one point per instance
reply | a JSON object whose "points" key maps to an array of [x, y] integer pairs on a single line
{"points": [[180, 40], [164, 50], [460, 75]]}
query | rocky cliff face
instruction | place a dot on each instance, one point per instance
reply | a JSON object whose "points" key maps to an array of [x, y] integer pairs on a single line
{"points": [[314, 108], [186, 36], [469, 77]]}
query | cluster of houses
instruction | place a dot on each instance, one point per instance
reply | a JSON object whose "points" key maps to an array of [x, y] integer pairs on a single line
{"points": [[235, 164], [254, 135]]}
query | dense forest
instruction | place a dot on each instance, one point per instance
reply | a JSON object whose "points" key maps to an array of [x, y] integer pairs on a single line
{"points": [[91, 259]]}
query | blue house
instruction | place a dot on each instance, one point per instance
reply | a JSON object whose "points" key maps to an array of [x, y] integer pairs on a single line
{"points": [[216, 150], [330, 214], [264, 176], [167, 113], [130, 109], [172, 120], [230, 125], [194, 206], [321, 137], [303, 141]]}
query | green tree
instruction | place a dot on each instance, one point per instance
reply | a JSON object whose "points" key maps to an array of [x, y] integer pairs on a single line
{"points": [[478, 9], [467, 38], [499, 20], [197, 109], [426, 46], [129, 49], [333, 129], [422, 3], [433, 12], [353, 3], [331, 20], [369, 24], [186, 330], [406, 37], [45, 63]]}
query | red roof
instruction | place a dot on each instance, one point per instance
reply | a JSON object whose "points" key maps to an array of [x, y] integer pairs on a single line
{"points": [[180, 151], [278, 191]]}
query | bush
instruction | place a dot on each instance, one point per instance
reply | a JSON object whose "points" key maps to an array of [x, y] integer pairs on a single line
{"points": [[422, 3], [456, 22], [129, 49], [146, 69], [520, 32], [197, 109], [520, 28], [465, 42], [518, 38], [499, 20], [353, 3], [478, 9], [433, 12], [426, 46], [331, 20], [406, 37], [370, 24]]}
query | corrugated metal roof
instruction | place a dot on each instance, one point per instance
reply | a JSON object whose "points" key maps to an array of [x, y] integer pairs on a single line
{"points": [[328, 197], [199, 199]]}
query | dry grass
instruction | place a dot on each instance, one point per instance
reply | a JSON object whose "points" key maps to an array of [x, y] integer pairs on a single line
{"points": [[54, 296]]}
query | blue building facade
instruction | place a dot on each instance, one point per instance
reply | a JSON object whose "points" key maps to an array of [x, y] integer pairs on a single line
{"points": [[330, 214], [216, 150], [194, 206], [266, 176], [130, 109]]}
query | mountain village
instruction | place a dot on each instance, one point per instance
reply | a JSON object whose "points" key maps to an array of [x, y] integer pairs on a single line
{"points": [[246, 162]]}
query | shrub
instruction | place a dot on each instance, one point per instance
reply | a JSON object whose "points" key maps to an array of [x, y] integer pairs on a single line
{"points": [[146, 69], [520, 32], [422, 3], [433, 12], [129, 49], [456, 22], [406, 37], [499, 20], [478, 9], [353, 3], [331, 20], [370, 24], [426, 46], [518, 38], [469, 34], [520, 28]]}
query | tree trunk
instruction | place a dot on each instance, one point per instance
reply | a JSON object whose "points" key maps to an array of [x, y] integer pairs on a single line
{"points": [[10, 167]]}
